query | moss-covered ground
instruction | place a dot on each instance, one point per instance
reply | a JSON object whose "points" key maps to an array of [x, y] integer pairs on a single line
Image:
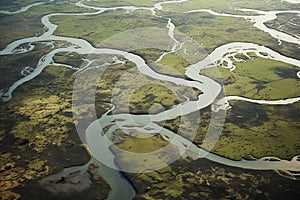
{"points": [[38, 137], [286, 22], [203, 179], [120, 3], [259, 131], [97, 28], [37, 132], [260, 78], [18, 23]]}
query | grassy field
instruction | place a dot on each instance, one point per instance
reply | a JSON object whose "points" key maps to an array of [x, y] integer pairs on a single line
{"points": [[266, 5], [213, 31], [203, 179], [13, 5], [14, 27], [260, 131], [175, 62], [100, 27], [12, 65], [229, 5], [260, 78], [37, 131], [208, 30], [252, 129], [287, 23], [38, 136], [132, 91], [249, 129], [218, 5], [107, 3]]}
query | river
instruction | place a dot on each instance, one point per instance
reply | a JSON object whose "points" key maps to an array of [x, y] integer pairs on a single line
{"points": [[99, 144]]}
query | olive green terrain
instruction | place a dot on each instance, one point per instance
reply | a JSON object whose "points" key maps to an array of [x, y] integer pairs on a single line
{"points": [[287, 23], [38, 137], [203, 179], [18, 23], [37, 132]]}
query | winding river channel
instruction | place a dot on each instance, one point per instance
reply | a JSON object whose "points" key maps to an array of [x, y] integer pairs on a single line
{"points": [[98, 144]]}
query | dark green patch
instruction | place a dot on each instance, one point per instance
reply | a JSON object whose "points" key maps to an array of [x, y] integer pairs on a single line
{"points": [[284, 73], [244, 114]]}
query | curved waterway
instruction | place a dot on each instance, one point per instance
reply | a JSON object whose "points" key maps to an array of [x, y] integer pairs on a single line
{"points": [[259, 21], [99, 144]]}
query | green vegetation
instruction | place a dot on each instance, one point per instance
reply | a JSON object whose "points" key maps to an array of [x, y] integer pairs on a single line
{"points": [[12, 175], [14, 27], [148, 143], [37, 131], [147, 97], [176, 62], [38, 137], [45, 126], [259, 131], [130, 90], [97, 28], [13, 5], [12, 65], [228, 6], [260, 78], [217, 5], [203, 179], [107, 3], [41, 119], [266, 5], [213, 31], [146, 158], [253, 129], [286, 22]]}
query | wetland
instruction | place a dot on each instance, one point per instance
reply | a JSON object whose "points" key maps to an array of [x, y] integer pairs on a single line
{"points": [[179, 99]]}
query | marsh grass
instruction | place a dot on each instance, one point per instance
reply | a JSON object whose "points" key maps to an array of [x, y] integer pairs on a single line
{"points": [[260, 78]]}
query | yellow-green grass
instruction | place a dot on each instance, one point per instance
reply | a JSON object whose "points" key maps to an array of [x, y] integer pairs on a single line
{"points": [[35, 120], [199, 179], [249, 129], [164, 180], [39, 136], [145, 144], [97, 28], [141, 97], [44, 127], [212, 31], [285, 22], [13, 176], [43, 121], [130, 90], [266, 5], [175, 62], [259, 131], [260, 78], [151, 152], [229, 6], [107, 3], [28, 24], [149, 42], [218, 5], [152, 98]]}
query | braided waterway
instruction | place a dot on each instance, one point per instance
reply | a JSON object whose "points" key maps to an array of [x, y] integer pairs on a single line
{"points": [[99, 144]]}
